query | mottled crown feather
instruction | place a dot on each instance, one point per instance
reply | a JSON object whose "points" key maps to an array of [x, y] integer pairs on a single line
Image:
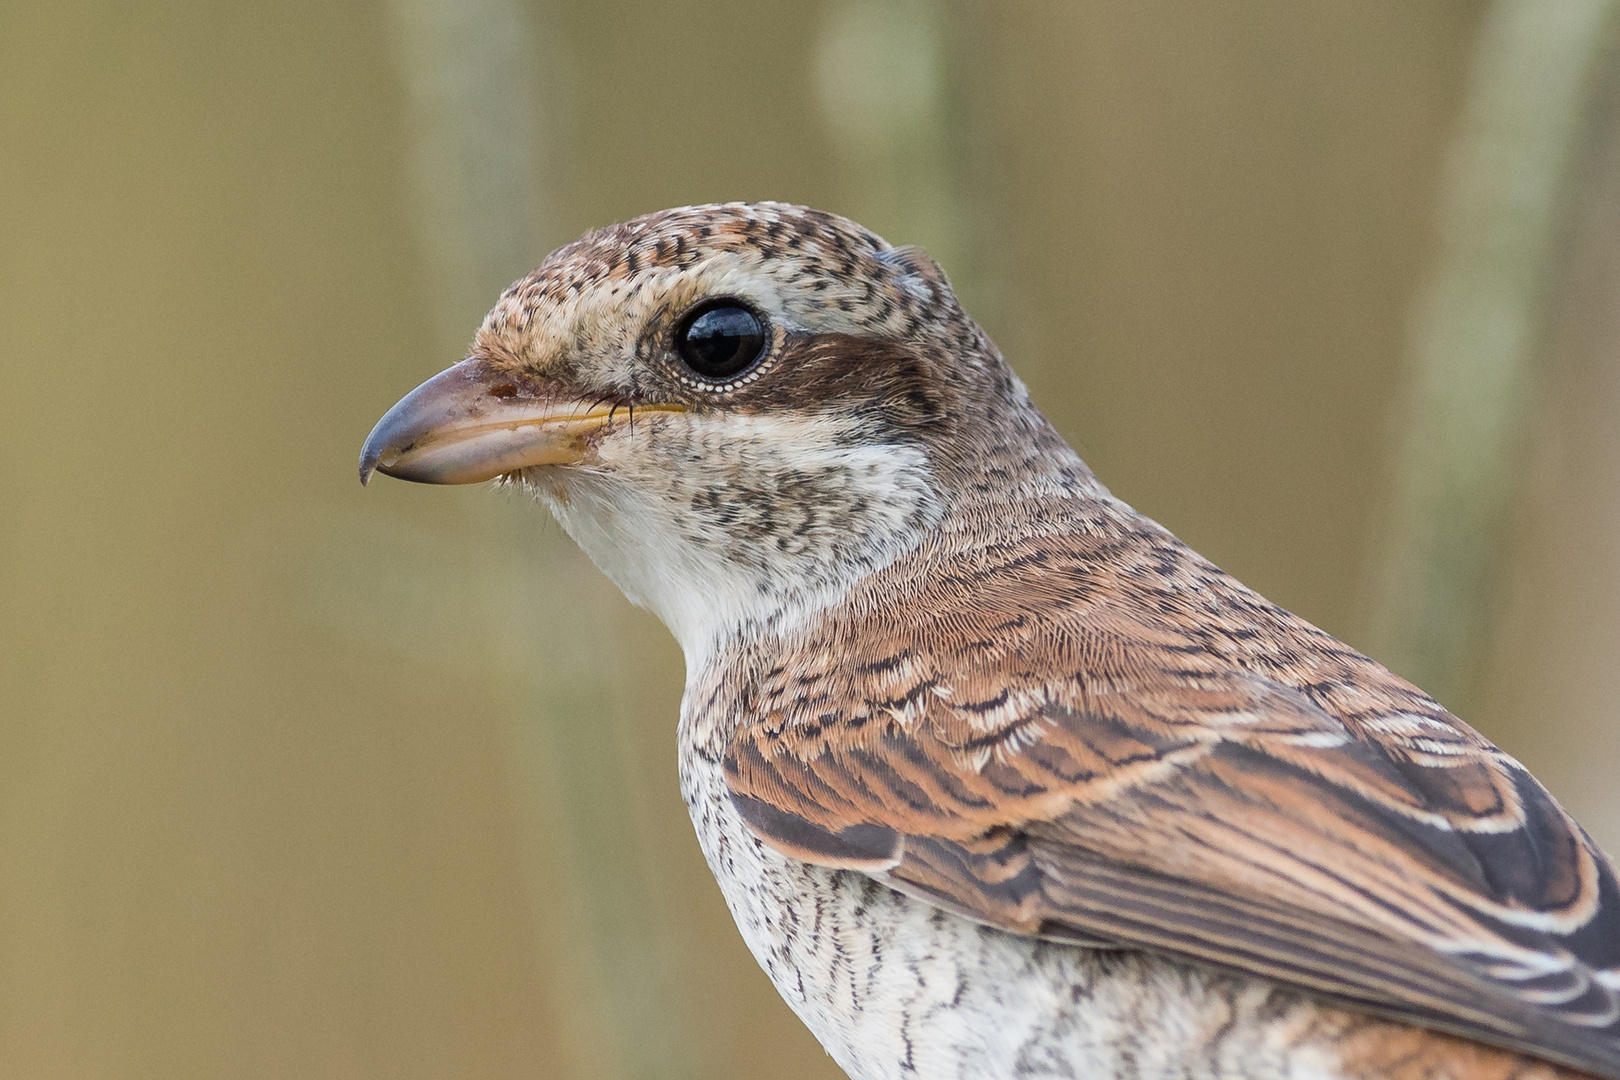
{"points": [[845, 271]]}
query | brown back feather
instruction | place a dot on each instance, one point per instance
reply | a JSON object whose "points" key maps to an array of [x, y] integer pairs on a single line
{"points": [[1088, 731]]}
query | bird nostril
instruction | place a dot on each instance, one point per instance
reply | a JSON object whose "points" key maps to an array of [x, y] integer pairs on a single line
{"points": [[505, 390]]}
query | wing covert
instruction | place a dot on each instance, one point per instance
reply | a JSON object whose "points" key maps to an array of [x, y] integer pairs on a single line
{"points": [[1186, 768]]}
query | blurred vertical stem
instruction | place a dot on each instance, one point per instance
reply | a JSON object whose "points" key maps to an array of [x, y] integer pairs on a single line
{"points": [[891, 81], [1471, 374], [478, 95], [472, 85]]}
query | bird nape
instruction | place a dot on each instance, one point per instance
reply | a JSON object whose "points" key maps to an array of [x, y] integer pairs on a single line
{"points": [[997, 776]]}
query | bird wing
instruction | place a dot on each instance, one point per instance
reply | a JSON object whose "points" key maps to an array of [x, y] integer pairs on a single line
{"points": [[1097, 735]]}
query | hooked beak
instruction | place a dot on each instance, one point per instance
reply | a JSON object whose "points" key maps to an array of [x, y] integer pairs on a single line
{"points": [[471, 423]]}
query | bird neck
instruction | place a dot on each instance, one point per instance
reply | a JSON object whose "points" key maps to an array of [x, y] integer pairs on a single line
{"points": [[1002, 456], [783, 516], [790, 513]]}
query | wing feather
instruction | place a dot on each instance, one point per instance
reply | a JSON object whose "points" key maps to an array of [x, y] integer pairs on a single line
{"points": [[1096, 735]]}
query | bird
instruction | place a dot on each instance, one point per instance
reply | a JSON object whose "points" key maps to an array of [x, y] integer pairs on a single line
{"points": [[997, 777]]}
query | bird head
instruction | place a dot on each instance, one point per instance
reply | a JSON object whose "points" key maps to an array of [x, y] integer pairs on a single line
{"points": [[735, 409]]}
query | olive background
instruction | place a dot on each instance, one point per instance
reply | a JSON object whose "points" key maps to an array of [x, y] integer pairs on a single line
{"points": [[300, 779]]}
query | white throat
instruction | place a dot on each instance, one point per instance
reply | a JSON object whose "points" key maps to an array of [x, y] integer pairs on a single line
{"points": [[721, 524]]}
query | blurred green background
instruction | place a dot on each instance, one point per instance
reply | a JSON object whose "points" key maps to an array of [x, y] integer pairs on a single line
{"points": [[304, 780]]}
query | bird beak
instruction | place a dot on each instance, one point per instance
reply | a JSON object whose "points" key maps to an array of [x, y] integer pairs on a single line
{"points": [[471, 423]]}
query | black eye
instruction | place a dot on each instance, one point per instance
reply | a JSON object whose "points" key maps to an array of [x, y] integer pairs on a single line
{"points": [[720, 339]]}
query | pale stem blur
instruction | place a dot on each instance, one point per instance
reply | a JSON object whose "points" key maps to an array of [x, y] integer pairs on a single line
{"points": [[1475, 356]]}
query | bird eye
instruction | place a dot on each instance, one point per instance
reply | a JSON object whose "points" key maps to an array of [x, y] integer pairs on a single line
{"points": [[720, 339]]}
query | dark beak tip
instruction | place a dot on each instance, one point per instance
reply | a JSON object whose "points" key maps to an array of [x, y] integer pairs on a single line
{"points": [[404, 423], [370, 454]]}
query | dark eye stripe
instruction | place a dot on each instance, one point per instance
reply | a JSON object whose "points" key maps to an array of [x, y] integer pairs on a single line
{"points": [[720, 340]]}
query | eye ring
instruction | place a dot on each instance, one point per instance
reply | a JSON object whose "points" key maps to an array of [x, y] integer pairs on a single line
{"points": [[720, 339]]}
